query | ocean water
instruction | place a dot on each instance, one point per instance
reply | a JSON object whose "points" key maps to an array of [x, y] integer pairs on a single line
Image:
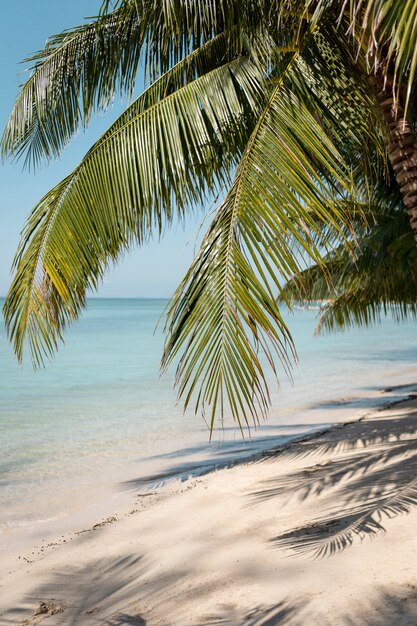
{"points": [[100, 420]]}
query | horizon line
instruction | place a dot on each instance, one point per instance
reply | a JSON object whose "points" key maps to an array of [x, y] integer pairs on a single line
{"points": [[3, 297]]}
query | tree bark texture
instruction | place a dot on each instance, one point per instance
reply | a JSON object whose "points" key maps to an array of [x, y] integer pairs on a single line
{"points": [[402, 150]]}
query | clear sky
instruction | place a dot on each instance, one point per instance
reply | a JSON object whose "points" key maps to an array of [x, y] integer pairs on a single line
{"points": [[151, 272]]}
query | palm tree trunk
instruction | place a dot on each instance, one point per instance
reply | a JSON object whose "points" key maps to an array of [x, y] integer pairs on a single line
{"points": [[402, 150]]}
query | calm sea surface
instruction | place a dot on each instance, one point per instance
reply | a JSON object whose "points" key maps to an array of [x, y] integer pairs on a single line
{"points": [[100, 418]]}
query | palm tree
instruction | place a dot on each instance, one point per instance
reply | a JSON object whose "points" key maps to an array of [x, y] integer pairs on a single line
{"points": [[285, 104]]}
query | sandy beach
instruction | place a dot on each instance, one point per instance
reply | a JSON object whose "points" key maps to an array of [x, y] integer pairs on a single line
{"points": [[322, 531]]}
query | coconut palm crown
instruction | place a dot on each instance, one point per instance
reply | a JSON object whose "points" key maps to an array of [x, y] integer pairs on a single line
{"points": [[286, 107]]}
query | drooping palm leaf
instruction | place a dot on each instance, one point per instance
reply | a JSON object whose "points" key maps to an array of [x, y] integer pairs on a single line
{"points": [[291, 181], [80, 70], [376, 276], [77, 72], [225, 311], [160, 157]]}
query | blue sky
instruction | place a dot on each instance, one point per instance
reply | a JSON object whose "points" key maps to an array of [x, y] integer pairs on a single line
{"points": [[150, 272]]}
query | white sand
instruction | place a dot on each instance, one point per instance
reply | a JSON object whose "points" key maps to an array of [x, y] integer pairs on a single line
{"points": [[263, 543]]}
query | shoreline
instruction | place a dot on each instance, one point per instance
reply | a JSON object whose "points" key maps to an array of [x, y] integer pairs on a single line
{"points": [[297, 462], [119, 495], [77, 439]]}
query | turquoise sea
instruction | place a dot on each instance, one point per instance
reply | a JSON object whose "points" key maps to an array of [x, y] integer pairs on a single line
{"points": [[100, 419]]}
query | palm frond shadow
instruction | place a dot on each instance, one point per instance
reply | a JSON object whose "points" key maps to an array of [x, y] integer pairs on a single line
{"points": [[372, 432], [111, 591], [228, 454], [390, 605], [387, 605], [373, 480], [129, 620], [90, 592], [271, 615]]}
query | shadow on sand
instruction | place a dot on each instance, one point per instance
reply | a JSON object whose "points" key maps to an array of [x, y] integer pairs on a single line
{"points": [[85, 595], [375, 473], [281, 613], [229, 453], [387, 608]]}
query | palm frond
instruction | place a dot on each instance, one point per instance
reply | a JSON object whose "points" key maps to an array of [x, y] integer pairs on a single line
{"points": [[160, 157], [225, 311], [335, 78], [375, 276], [387, 30], [357, 308], [329, 80], [77, 72], [80, 70]]}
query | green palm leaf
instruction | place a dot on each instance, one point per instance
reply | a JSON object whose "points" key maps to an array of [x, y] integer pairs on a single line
{"points": [[160, 157], [225, 312], [375, 276], [80, 70], [77, 72], [387, 30]]}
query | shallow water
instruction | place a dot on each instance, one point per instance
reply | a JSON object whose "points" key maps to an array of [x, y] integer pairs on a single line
{"points": [[100, 418]]}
